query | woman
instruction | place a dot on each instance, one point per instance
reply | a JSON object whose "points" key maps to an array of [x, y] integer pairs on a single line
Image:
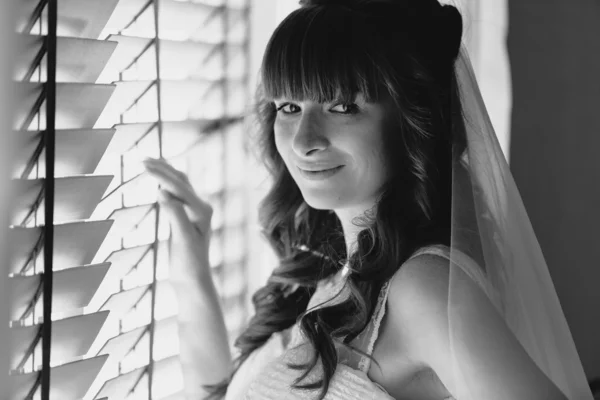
{"points": [[406, 257]]}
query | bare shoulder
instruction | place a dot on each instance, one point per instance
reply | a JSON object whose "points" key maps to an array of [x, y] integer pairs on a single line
{"points": [[417, 307], [415, 314], [420, 285], [489, 354]]}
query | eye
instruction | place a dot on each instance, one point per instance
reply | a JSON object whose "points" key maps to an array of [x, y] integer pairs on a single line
{"points": [[288, 108], [343, 108]]}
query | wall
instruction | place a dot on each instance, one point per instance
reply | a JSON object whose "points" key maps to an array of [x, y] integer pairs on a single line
{"points": [[555, 65]]}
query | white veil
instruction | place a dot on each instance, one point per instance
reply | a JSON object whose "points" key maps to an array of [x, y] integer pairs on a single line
{"points": [[492, 236]]}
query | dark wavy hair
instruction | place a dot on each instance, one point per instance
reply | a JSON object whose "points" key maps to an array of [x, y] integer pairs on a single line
{"points": [[330, 51]]}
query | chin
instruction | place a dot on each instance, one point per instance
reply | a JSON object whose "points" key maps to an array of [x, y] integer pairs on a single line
{"points": [[323, 203]]}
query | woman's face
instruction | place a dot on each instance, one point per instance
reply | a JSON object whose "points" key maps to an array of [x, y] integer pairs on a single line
{"points": [[318, 136]]}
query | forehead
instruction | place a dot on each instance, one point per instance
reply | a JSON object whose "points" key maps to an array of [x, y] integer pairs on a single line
{"points": [[320, 55]]}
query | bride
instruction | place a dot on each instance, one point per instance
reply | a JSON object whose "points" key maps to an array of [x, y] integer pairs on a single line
{"points": [[408, 268]]}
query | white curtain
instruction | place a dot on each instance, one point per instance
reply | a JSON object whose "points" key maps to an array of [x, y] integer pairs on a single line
{"points": [[485, 30]]}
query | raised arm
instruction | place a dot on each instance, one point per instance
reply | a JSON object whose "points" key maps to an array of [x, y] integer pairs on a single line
{"points": [[204, 346], [491, 359]]}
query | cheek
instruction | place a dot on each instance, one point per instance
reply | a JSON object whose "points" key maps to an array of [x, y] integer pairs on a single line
{"points": [[278, 138], [381, 158], [373, 158], [281, 145]]}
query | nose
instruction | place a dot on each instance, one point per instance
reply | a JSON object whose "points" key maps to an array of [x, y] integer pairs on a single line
{"points": [[310, 134]]}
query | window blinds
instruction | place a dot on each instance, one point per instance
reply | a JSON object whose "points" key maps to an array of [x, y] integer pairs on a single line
{"points": [[101, 84]]}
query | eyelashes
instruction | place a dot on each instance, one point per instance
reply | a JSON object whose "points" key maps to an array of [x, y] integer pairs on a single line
{"points": [[351, 108], [281, 107]]}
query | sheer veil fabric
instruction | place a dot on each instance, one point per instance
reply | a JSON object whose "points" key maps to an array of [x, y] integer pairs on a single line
{"points": [[492, 232]]}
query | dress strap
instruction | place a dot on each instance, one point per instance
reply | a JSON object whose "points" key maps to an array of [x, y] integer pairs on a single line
{"points": [[372, 331]]}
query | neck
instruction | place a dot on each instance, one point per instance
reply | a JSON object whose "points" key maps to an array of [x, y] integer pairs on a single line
{"points": [[349, 219]]}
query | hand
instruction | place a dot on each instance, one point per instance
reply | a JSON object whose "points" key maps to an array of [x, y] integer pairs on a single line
{"points": [[200, 317], [189, 215]]}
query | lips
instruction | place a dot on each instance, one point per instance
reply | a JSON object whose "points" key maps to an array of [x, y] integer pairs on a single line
{"points": [[320, 175], [318, 168]]}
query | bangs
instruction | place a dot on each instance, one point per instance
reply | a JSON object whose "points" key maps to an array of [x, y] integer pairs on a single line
{"points": [[323, 54]]}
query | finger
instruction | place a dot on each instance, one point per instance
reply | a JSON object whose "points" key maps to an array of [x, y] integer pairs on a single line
{"points": [[167, 169], [172, 173], [200, 211], [179, 221], [172, 184], [184, 177], [161, 162], [184, 190]]}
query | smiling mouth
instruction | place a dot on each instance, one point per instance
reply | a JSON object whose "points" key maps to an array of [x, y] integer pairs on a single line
{"points": [[321, 170], [319, 175]]}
